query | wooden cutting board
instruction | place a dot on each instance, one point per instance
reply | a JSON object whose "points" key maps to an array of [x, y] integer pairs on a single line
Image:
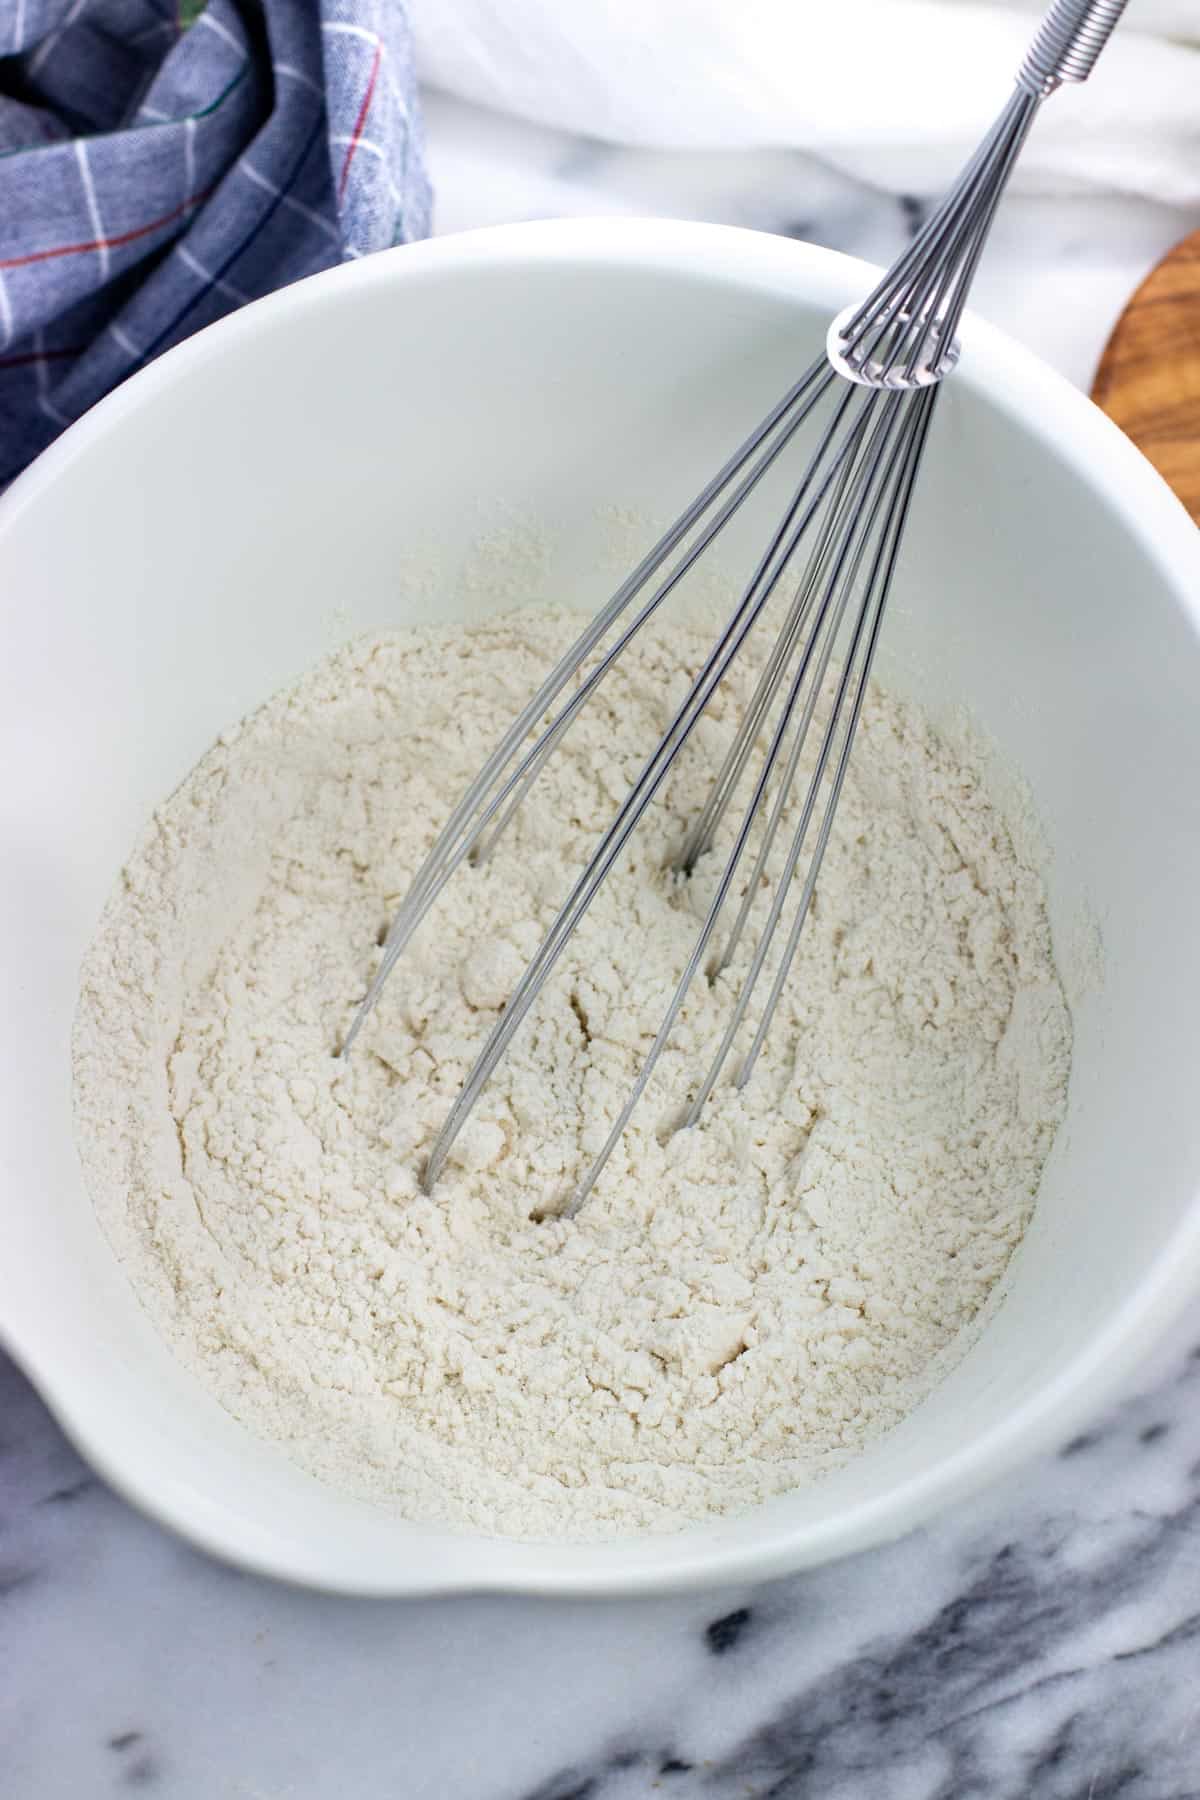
{"points": [[1149, 376]]}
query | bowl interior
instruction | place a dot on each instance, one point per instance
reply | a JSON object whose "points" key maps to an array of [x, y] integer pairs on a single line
{"points": [[478, 423]]}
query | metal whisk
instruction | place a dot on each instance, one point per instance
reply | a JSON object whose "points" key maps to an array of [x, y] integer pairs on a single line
{"points": [[878, 383]]}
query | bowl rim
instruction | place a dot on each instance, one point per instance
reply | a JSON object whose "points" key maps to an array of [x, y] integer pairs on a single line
{"points": [[1048, 407]]}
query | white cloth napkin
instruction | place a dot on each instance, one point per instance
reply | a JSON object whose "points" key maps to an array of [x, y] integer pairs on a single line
{"points": [[894, 92]]}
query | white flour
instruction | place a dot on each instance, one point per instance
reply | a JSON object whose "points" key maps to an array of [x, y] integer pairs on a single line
{"points": [[737, 1307]]}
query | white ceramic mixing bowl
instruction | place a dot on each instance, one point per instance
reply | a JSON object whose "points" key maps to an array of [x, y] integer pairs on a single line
{"points": [[321, 464]]}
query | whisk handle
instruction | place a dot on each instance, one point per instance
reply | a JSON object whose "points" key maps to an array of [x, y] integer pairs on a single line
{"points": [[1068, 42]]}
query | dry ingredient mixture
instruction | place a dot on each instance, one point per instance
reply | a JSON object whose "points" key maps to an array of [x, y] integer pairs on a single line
{"points": [[738, 1307]]}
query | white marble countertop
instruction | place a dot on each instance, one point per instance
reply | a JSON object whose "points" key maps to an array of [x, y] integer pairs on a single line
{"points": [[1040, 1643]]}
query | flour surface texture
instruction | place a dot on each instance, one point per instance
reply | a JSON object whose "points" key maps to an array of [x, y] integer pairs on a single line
{"points": [[738, 1307]]}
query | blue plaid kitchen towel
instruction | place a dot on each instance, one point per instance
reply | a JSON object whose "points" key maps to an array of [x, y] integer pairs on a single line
{"points": [[163, 161]]}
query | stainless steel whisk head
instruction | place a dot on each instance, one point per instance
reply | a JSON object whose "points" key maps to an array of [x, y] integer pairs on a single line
{"points": [[871, 399]]}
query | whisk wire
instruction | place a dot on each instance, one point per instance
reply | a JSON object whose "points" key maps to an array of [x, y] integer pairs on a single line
{"points": [[700, 837], [857, 518], [881, 578], [874, 598]]}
